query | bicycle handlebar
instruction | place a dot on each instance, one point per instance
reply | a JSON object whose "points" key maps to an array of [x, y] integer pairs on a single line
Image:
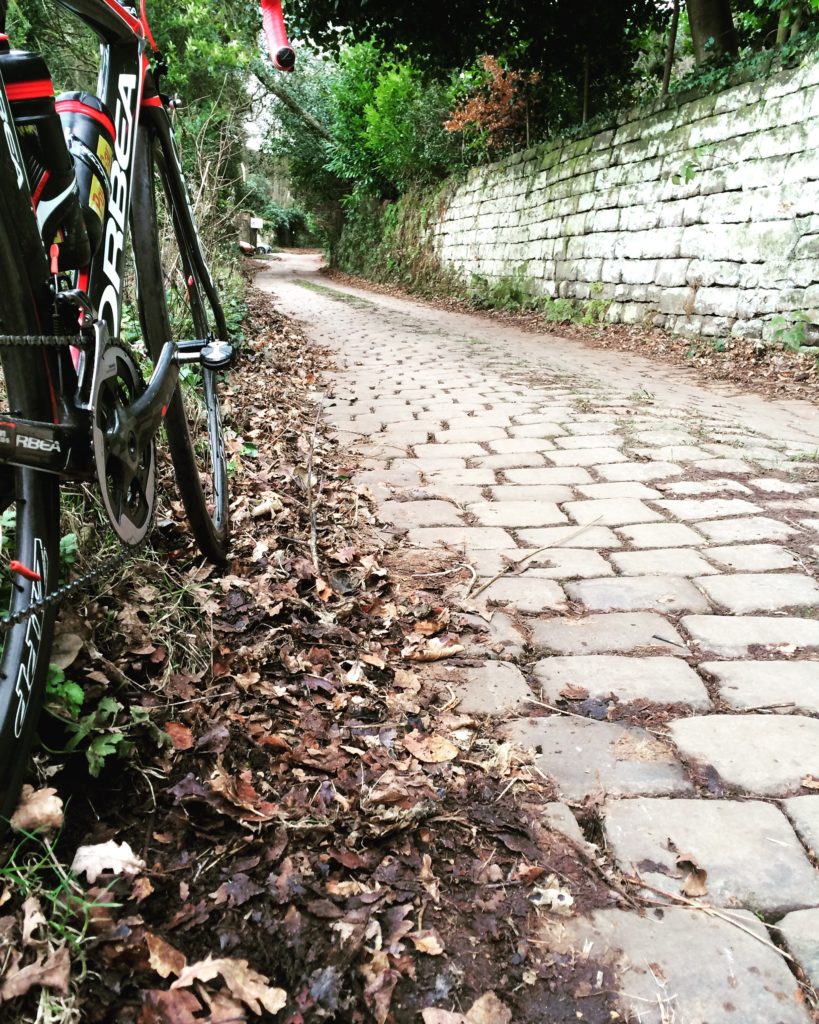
{"points": [[281, 52]]}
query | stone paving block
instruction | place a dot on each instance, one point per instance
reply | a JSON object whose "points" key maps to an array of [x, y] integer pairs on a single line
{"points": [[590, 441], [639, 471], [586, 757], [477, 433], [764, 755], [748, 848], [800, 930], [659, 680], [680, 966], [692, 488], [692, 511], [403, 437], [673, 453], [483, 418], [520, 446], [572, 536], [664, 562], [461, 477], [738, 466], [746, 685], [804, 813], [540, 492], [458, 493], [525, 593], [398, 476], [661, 535], [611, 511], [761, 592], [632, 593], [538, 428], [586, 457], [517, 514], [419, 513], [663, 437], [627, 489], [517, 461], [431, 465], [558, 818], [569, 476], [589, 427], [557, 564], [495, 688], [613, 632], [479, 538], [752, 557], [461, 450], [773, 486], [733, 636]]}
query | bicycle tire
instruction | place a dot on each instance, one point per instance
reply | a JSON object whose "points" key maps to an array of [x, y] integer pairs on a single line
{"points": [[194, 437], [34, 496]]}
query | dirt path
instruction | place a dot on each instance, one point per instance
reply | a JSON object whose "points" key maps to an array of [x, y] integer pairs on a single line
{"points": [[659, 649]]}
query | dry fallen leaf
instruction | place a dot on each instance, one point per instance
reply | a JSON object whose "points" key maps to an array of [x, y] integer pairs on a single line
{"points": [[574, 692], [65, 650], [53, 972], [430, 748], [810, 782], [181, 735], [38, 808], [243, 982], [427, 941], [432, 1015], [32, 919], [434, 650], [693, 880], [164, 958], [488, 1010], [93, 860]]}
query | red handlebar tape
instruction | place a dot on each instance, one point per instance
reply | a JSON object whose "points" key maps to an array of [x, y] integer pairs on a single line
{"points": [[281, 52]]}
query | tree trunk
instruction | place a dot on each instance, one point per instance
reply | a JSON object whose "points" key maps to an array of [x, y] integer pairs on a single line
{"points": [[672, 43], [712, 28]]}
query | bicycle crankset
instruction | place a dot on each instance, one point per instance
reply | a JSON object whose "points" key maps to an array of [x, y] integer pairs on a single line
{"points": [[124, 455]]}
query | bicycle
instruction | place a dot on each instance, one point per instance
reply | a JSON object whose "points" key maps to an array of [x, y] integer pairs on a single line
{"points": [[76, 407]]}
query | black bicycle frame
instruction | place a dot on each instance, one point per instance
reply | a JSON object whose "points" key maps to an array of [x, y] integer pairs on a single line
{"points": [[128, 88]]}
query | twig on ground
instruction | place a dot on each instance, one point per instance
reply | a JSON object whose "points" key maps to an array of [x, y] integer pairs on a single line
{"points": [[516, 565]]}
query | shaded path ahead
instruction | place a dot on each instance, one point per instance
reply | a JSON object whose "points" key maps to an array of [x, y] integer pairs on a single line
{"points": [[659, 650]]}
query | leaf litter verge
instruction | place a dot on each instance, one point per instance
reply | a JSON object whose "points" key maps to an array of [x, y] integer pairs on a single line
{"points": [[319, 837]]}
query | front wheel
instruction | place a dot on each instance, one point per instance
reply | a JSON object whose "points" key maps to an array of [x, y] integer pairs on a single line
{"points": [[176, 303]]}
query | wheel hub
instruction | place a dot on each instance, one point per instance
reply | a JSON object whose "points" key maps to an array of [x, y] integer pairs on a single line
{"points": [[126, 471]]}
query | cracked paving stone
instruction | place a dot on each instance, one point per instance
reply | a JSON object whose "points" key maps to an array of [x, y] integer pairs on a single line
{"points": [[732, 531], [757, 592], [517, 514], [585, 757], [661, 535], [764, 755], [658, 680], [804, 813], [752, 557], [733, 636], [776, 685], [419, 513], [664, 562], [753, 857], [800, 930], [611, 511], [632, 593], [610, 633], [680, 966], [525, 593]]}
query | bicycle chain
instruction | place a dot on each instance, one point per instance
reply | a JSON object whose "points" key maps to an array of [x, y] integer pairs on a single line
{"points": [[57, 596]]}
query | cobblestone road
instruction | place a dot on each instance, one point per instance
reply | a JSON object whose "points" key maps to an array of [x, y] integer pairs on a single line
{"points": [[671, 534]]}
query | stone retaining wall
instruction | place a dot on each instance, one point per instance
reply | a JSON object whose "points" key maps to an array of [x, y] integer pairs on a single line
{"points": [[701, 217]]}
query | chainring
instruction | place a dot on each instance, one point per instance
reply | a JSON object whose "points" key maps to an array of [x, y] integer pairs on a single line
{"points": [[126, 475]]}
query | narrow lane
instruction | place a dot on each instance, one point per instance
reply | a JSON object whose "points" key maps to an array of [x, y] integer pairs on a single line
{"points": [[659, 650]]}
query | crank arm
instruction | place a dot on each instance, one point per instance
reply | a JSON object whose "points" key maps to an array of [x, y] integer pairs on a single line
{"points": [[138, 422], [50, 447]]}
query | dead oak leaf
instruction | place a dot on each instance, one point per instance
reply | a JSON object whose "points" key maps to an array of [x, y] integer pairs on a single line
{"points": [[243, 982], [693, 876], [33, 918], [52, 972], [120, 859], [488, 1010], [427, 941], [433, 650], [810, 782], [164, 958], [430, 749], [170, 1008], [37, 809]]}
